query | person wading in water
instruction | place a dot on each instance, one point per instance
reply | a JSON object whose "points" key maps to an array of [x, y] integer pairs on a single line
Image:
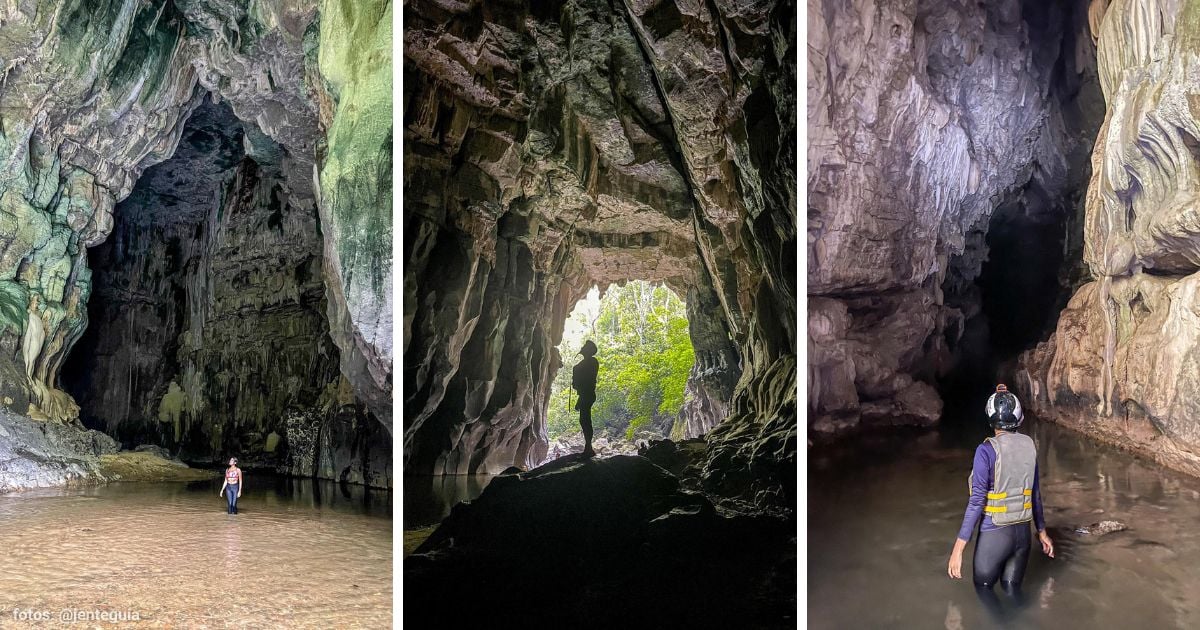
{"points": [[1005, 497], [583, 380], [232, 488]]}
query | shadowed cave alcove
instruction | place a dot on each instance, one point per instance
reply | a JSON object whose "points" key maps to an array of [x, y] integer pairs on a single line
{"points": [[1022, 286], [207, 325]]}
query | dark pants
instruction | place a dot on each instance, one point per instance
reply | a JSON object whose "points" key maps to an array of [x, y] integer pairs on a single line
{"points": [[1000, 556], [231, 493], [585, 419]]}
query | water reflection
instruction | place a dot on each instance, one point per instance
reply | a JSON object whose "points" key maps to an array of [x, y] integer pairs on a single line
{"points": [[428, 500], [883, 515], [298, 554]]}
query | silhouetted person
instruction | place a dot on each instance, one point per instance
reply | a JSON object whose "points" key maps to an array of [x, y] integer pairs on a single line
{"points": [[583, 379]]}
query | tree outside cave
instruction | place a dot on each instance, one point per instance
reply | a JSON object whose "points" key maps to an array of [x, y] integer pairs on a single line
{"points": [[645, 356]]}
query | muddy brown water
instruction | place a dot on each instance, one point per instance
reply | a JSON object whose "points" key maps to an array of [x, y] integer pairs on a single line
{"points": [[299, 554], [882, 521]]}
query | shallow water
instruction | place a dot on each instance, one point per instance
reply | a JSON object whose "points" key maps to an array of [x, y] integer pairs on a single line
{"points": [[298, 554], [882, 522], [428, 500]]}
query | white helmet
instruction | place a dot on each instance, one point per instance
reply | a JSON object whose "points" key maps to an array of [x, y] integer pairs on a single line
{"points": [[1004, 410]]}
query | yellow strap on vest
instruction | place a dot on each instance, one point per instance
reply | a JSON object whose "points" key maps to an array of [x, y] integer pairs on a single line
{"points": [[1029, 493], [996, 496], [992, 509]]}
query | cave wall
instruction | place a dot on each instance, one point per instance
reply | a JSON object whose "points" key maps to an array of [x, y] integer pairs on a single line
{"points": [[208, 331], [550, 146], [928, 121], [1122, 363], [717, 369], [94, 93], [355, 186], [533, 169]]}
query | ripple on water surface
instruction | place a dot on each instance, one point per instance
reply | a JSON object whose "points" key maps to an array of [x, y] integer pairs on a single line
{"points": [[881, 526], [298, 554]]}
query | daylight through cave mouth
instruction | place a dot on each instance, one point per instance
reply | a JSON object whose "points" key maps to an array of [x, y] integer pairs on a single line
{"points": [[645, 354], [208, 330]]}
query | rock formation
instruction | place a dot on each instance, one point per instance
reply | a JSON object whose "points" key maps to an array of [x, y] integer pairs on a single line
{"points": [[92, 94], [712, 379], [550, 146], [931, 123], [602, 542], [208, 329], [1122, 364]]}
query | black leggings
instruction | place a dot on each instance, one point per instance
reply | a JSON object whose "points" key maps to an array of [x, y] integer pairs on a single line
{"points": [[584, 405], [585, 422], [1001, 555]]}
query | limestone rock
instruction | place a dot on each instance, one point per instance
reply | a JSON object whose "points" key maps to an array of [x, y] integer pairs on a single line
{"points": [[926, 121], [93, 94], [1122, 364], [355, 178], [157, 451], [36, 454], [1102, 528]]}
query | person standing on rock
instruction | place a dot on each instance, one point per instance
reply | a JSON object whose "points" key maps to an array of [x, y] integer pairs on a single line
{"points": [[583, 380], [1005, 497], [232, 488]]}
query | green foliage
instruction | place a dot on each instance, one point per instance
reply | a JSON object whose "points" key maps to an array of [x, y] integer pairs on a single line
{"points": [[645, 356]]}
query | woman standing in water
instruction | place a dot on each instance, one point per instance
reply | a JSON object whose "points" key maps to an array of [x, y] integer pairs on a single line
{"points": [[1005, 496], [232, 488]]}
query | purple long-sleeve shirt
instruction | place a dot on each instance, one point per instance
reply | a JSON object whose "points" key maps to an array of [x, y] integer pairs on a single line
{"points": [[981, 484]]}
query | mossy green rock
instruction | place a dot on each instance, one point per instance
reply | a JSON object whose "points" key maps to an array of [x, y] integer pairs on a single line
{"points": [[356, 191], [94, 93]]}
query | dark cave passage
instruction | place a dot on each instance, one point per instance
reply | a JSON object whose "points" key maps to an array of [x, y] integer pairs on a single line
{"points": [[207, 325], [1022, 287], [1020, 269]]}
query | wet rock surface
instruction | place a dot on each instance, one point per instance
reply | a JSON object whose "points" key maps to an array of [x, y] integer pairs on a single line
{"points": [[1101, 528], [1122, 364], [43, 454], [603, 542]]}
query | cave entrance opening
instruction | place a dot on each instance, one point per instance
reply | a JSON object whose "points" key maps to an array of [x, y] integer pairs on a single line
{"points": [[645, 355], [208, 331]]}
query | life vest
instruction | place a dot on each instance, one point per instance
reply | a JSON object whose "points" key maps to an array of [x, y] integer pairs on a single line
{"points": [[233, 475], [1010, 500]]}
